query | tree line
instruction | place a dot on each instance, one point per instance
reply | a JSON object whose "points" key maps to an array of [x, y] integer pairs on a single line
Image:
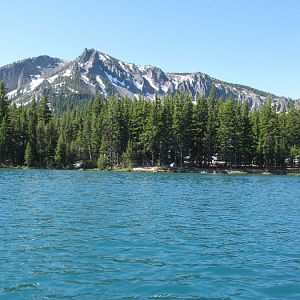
{"points": [[139, 132]]}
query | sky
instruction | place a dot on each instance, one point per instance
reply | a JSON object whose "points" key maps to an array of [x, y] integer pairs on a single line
{"points": [[250, 42]]}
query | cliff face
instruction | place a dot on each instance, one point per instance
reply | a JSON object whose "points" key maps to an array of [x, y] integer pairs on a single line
{"points": [[94, 72], [19, 74]]}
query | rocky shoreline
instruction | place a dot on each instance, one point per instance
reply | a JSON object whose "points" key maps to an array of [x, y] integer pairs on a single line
{"points": [[211, 170]]}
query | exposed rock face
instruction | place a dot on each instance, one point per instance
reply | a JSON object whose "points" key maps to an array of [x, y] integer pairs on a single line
{"points": [[94, 72], [18, 74]]}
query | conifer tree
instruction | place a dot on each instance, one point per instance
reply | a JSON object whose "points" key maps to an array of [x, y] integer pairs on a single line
{"points": [[5, 141], [212, 125], [44, 112], [151, 133], [137, 125], [165, 134], [32, 131], [267, 130], [3, 102], [4, 125], [244, 135], [177, 130], [199, 130], [128, 156], [227, 132], [60, 157], [29, 160], [110, 142]]}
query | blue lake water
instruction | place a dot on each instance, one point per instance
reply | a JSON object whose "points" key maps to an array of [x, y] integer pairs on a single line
{"points": [[94, 235]]}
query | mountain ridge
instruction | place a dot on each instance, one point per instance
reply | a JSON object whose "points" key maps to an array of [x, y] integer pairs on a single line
{"points": [[94, 72]]}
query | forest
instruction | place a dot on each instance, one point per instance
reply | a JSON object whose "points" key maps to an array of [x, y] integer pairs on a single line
{"points": [[111, 133]]}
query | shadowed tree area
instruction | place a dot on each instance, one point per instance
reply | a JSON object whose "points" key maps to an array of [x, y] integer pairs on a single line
{"points": [[137, 132]]}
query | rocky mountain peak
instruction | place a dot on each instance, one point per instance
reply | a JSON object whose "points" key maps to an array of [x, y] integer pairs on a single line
{"points": [[94, 72]]}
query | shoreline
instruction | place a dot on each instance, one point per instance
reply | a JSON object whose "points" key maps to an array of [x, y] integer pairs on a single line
{"points": [[181, 170], [225, 171]]}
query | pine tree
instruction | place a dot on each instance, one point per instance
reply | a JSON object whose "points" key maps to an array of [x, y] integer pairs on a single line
{"points": [[212, 125], [128, 156], [255, 136], [187, 118], [50, 141], [227, 132], [165, 143], [44, 112], [110, 141], [136, 128], [102, 162], [267, 138], [244, 135], [292, 133], [60, 157], [151, 133], [3, 102], [32, 131], [281, 149], [29, 159], [199, 130], [5, 142], [177, 130], [96, 128]]}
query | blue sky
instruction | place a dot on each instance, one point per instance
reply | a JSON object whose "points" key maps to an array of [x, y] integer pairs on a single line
{"points": [[251, 42]]}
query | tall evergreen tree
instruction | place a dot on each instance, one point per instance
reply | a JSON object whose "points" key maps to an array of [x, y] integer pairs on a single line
{"points": [[32, 132], [267, 138], [212, 125], [3, 101], [151, 134], [244, 137], [29, 159], [227, 132], [60, 157], [4, 125], [199, 130]]}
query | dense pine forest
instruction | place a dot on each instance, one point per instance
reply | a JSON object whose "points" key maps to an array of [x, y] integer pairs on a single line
{"points": [[171, 131]]}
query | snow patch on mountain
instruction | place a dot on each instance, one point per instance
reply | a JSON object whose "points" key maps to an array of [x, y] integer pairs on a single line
{"points": [[164, 88], [11, 94], [139, 85], [52, 78], [67, 73], [85, 79], [95, 72], [36, 82], [101, 84], [113, 79], [151, 82], [103, 57]]}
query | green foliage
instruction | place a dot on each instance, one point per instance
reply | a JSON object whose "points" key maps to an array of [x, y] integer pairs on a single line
{"points": [[199, 127], [123, 133], [128, 156], [212, 126], [268, 133], [29, 162], [60, 157], [227, 131], [102, 163]]}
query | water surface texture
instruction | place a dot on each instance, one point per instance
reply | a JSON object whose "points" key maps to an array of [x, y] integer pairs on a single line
{"points": [[93, 235]]}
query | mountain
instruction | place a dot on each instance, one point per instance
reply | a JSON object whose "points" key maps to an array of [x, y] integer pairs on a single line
{"points": [[94, 72]]}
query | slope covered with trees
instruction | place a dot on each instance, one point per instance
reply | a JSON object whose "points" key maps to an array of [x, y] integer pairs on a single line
{"points": [[124, 132]]}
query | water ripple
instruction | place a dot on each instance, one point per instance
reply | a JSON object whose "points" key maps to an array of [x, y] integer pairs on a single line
{"points": [[90, 235]]}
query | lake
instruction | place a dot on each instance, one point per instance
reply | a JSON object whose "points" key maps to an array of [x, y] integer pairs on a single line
{"points": [[114, 235]]}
